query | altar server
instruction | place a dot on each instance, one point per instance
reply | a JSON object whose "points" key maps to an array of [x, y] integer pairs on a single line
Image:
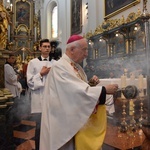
{"points": [[11, 77], [74, 114], [37, 71]]}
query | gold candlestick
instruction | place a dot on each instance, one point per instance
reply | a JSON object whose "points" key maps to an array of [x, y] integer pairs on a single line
{"points": [[123, 124], [141, 112], [132, 124]]}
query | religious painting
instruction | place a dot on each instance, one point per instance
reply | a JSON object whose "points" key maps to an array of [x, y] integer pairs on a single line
{"points": [[113, 7], [23, 13], [23, 25], [76, 16]]}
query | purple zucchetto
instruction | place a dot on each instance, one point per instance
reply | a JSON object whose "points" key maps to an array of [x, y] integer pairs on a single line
{"points": [[74, 38]]}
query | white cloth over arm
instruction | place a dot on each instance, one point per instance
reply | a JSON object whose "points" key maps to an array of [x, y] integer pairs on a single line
{"points": [[110, 107], [68, 103]]}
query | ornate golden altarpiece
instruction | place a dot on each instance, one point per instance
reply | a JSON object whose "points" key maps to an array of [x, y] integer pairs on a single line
{"points": [[118, 43], [25, 29], [19, 32], [5, 20]]}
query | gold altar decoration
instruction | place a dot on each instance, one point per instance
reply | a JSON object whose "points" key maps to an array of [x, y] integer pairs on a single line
{"points": [[21, 62], [4, 22], [110, 24], [36, 27], [22, 28], [25, 29]]}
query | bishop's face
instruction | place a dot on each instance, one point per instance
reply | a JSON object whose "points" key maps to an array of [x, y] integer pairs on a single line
{"points": [[80, 52], [45, 48]]}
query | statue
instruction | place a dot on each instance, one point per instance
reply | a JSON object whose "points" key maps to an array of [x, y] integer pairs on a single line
{"points": [[105, 25], [4, 22]]}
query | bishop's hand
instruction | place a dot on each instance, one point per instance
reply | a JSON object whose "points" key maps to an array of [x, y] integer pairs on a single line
{"points": [[94, 81], [111, 88]]}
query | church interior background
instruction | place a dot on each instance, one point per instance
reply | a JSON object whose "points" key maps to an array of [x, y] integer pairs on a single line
{"points": [[118, 39]]}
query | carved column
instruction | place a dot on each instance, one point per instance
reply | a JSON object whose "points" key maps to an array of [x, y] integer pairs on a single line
{"points": [[2, 72], [6, 98], [146, 123]]}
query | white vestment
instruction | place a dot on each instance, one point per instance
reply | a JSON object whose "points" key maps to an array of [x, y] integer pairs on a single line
{"points": [[68, 104], [110, 107], [11, 80], [36, 83]]}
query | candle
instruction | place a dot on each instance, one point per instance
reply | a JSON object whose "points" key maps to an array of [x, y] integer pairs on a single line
{"points": [[140, 81], [125, 71], [140, 85], [23, 55], [11, 7], [132, 79], [123, 81]]}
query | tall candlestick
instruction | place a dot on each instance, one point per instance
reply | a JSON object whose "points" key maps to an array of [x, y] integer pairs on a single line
{"points": [[131, 107], [140, 85], [140, 81]]}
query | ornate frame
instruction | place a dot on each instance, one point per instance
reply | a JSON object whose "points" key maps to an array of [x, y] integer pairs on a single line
{"points": [[113, 7], [76, 16], [22, 30]]}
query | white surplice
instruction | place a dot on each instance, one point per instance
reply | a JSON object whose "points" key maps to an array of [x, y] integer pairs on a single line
{"points": [[36, 83], [11, 81], [68, 103]]}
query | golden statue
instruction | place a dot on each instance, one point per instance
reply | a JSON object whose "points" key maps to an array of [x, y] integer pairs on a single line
{"points": [[4, 22]]}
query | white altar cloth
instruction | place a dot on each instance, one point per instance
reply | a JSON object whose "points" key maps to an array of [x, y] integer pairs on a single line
{"points": [[118, 81]]}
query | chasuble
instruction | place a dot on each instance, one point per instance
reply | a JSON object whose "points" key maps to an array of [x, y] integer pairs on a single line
{"points": [[68, 103]]}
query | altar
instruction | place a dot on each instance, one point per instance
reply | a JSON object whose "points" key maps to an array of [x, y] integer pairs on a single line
{"points": [[122, 141], [118, 81], [125, 111]]}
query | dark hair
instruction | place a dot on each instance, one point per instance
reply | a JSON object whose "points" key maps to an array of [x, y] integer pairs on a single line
{"points": [[10, 55], [44, 41]]}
